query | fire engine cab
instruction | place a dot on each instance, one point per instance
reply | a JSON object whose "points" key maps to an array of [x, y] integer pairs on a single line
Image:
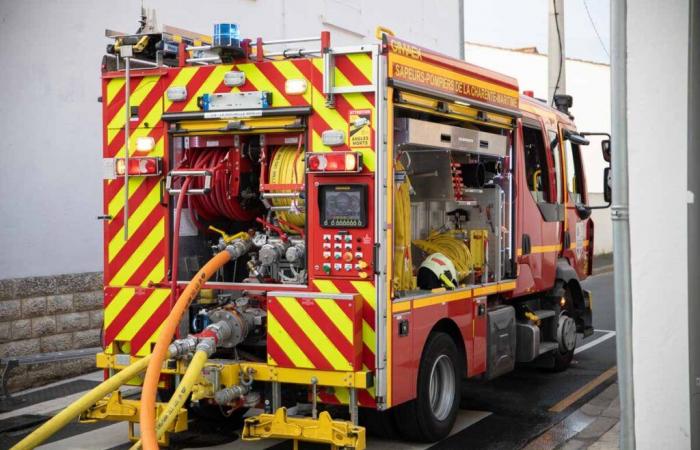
{"points": [[310, 237]]}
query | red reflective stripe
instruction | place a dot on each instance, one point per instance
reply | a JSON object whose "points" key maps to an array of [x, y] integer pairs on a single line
{"points": [[276, 353], [150, 326], [301, 339]]}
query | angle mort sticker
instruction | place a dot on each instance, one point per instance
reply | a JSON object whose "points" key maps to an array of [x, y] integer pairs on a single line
{"points": [[359, 129]]}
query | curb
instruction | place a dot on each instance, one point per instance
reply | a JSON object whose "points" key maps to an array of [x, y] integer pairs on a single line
{"points": [[602, 269]]}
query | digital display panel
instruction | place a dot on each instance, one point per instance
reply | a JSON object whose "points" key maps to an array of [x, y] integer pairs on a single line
{"points": [[343, 205]]}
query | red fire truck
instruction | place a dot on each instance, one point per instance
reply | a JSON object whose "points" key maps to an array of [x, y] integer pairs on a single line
{"points": [[388, 221]]}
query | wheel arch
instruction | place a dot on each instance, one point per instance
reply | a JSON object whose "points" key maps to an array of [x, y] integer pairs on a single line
{"points": [[449, 327], [567, 279]]}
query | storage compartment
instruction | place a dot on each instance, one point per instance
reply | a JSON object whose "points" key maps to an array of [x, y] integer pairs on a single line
{"points": [[501, 341]]}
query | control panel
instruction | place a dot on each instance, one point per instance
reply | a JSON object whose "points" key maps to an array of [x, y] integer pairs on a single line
{"points": [[343, 225], [347, 252]]}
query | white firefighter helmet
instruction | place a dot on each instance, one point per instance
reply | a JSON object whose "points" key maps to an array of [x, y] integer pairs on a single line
{"points": [[437, 271]]}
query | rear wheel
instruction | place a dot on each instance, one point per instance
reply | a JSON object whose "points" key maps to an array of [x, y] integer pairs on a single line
{"points": [[431, 416]]}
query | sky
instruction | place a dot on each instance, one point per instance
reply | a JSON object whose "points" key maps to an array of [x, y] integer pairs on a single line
{"points": [[523, 23]]}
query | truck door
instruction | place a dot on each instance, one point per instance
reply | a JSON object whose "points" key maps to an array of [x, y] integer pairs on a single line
{"points": [[576, 234], [540, 210]]}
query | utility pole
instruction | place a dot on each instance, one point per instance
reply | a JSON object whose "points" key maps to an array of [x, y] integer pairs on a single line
{"points": [[620, 221], [555, 51]]}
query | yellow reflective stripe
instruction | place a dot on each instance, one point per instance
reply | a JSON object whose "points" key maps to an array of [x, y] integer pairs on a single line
{"points": [[116, 305], [317, 144], [111, 134], [142, 315], [117, 203], [342, 394], [286, 343], [113, 87], [156, 274], [330, 116], [314, 333], [337, 316], [290, 71], [146, 349], [141, 253], [369, 337], [135, 99], [326, 286], [181, 80], [135, 220], [363, 62], [367, 290], [208, 87], [261, 83]]}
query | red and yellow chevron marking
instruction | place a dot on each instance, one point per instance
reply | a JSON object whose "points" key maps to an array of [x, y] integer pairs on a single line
{"points": [[133, 317], [367, 291], [320, 333], [140, 259]]}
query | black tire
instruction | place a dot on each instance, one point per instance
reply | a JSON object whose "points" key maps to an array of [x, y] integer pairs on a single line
{"points": [[418, 419], [563, 358]]}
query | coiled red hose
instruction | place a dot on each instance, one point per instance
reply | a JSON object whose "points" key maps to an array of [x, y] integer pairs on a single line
{"points": [[219, 202]]}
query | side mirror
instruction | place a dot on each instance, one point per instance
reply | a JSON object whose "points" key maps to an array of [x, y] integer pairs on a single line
{"points": [[605, 146], [607, 185]]}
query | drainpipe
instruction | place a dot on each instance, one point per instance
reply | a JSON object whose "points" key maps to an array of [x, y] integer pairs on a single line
{"points": [[620, 221], [694, 222], [461, 29]]}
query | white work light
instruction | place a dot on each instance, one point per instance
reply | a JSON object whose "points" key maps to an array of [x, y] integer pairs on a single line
{"points": [[333, 138], [176, 93], [295, 86], [145, 143], [234, 79]]}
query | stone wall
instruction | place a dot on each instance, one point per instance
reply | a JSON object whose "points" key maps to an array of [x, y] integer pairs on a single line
{"points": [[49, 314]]}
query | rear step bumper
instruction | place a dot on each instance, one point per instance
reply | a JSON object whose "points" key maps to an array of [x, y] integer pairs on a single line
{"points": [[324, 430]]}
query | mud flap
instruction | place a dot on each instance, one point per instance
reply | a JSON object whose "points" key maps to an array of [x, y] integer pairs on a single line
{"points": [[585, 325]]}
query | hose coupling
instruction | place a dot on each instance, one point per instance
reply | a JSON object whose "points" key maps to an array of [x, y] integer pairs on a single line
{"points": [[231, 394], [182, 347], [207, 345], [238, 248]]}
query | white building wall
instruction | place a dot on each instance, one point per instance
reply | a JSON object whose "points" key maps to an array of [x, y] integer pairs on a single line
{"points": [[589, 84], [50, 159], [657, 77]]}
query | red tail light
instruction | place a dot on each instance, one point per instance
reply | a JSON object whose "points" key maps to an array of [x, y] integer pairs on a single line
{"points": [[334, 162], [139, 166]]}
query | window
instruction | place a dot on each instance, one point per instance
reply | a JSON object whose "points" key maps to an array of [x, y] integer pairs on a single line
{"points": [[574, 173], [536, 164], [556, 157]]}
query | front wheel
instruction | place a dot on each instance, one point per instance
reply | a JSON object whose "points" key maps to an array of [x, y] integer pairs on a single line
{"points": [[431, 416], [566, 338]]}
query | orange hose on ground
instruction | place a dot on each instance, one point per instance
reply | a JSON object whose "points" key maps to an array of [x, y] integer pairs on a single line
{"points": [[159, 354]]}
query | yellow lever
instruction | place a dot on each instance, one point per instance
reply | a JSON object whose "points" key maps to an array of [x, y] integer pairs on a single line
{"points": [[230, 238]]}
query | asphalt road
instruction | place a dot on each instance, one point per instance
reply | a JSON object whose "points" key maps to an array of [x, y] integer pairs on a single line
{"points": [[505, 413]]}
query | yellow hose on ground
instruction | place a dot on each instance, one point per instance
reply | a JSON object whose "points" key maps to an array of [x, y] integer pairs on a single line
{"points": [[453, 248], [287, 167], [61, 419], [403, 265], [147, 415], [177, 401]]}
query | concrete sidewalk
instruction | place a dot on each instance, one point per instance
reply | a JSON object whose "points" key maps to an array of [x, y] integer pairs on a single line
{"points": [[603, 433], [593, 426]]}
